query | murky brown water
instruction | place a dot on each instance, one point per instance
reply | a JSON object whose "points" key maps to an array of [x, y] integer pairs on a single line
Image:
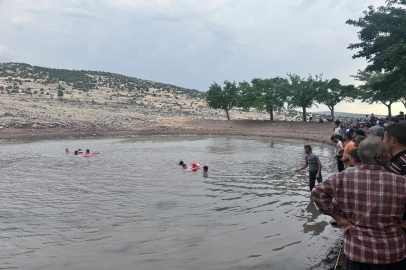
{"points": [[133, 207]]}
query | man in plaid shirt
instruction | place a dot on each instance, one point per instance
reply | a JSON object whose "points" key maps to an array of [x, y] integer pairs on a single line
{"points": [[372, 202]]}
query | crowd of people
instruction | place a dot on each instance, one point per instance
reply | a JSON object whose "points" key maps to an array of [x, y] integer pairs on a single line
{"points": [[367, 197]]}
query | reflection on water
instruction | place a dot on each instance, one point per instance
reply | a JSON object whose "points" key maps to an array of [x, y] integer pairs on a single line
{"points": [[133, 207]]}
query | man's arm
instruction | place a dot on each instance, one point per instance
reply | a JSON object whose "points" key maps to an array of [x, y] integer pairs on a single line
{"points": [[340, 148], [301, 168], [319, 171]]}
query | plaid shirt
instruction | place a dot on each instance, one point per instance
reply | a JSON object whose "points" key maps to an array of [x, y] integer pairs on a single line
{"points": [[374, 201], [398, 163]]}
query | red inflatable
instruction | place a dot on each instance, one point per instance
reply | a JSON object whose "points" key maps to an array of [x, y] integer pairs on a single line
{"points": [[195, 167], [90, 155], [81, 152]]}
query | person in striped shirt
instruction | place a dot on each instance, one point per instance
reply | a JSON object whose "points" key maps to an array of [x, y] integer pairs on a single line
{"points": [[372, 201], [395, 139]]}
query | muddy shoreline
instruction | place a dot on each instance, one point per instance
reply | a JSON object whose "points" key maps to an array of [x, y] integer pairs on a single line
{"points": [[181, 127], [191, 127]]}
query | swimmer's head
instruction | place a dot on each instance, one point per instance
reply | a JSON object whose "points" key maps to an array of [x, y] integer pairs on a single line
{"points": [[205, 168], [67, 150], [87, 151], [181, 162], [76, 152], [184, 166], [79, 149]]}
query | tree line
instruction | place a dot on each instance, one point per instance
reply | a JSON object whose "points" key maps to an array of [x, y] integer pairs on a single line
{"points": [[270, 95], [382, 43]]}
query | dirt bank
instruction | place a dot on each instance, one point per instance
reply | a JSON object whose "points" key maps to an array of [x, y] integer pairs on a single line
{"points": [[178, 126]]}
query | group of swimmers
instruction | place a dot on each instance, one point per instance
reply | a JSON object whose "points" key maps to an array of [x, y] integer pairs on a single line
{"points": [[79, 151], [195, 166]]}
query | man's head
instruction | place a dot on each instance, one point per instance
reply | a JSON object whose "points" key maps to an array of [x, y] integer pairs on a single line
{"points": [[354, 157], [358, 140], [205, 168], [307, 149], [395, 136], [181, 162], [376, 131], [347, 136], [334, 139], [375, 152]]}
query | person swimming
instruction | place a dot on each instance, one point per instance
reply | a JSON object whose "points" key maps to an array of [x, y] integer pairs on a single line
{"points": [[67, 151], [181, 163], [87, 151], [76, 153], [205, 169], [184, 166]]}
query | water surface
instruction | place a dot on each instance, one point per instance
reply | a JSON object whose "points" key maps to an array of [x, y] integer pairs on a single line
{"points": [[133, 207]]}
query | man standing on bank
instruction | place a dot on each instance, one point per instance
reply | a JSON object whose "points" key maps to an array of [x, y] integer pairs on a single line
{"points": [[314, 164], [372, 201]]}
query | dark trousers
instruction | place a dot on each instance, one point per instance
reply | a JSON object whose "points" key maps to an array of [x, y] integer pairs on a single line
{"points": [[340, 164], [353, 265], [312, 179]]}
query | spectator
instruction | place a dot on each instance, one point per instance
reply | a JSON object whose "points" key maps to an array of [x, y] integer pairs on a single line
{"points": [[358, 132], [375, 132], [372, 201], [337, 122], [366, 120], [395, 139], [339, 152], [310, 117], [372, 117], [358, 140], [354, 159], [349, 144], [337, 130]]}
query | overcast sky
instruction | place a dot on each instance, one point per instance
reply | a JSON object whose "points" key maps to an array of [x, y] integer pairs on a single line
{"points": [[188, 43]]}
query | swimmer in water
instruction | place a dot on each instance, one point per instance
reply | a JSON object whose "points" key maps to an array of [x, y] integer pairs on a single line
{"points": [[181, 163], [87, 151], [67, 151], [205, 169], [184, 166], [76, 153]]}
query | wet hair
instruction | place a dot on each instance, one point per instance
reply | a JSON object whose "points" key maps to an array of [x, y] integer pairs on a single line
{"points": [[398, 132], [377, 131], [333, 137], [87, 151], [181, 162], [205, 168], [360, 132], [368, 149], [348, 135], [308, 147], [354, 154], [66, 149], [76, 152]]}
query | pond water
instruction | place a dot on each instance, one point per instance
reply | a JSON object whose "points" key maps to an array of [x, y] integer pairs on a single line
{"points": [[133, 207]]}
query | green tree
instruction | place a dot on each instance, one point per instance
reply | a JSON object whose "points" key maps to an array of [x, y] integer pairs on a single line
{"points": [[271, 94], [376, 89], [302, 92], [330, 93], [225, 99], [383, 43]]}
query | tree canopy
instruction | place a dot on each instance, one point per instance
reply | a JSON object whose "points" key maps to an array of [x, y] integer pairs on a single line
{"points": [[223, 98], [383, 44], [302, 92], [331, 92]]}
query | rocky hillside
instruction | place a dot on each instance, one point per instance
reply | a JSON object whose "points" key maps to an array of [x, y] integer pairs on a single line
{"points": [[45, 97]]}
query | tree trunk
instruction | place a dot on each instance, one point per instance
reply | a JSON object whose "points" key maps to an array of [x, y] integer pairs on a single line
{"points": [[332, 113], [304, 114], [228, 116], [389, 108], [271, 113]]}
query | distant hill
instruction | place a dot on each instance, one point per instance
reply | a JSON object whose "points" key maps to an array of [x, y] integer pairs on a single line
{"points": [[346, 115], [48, 97]]}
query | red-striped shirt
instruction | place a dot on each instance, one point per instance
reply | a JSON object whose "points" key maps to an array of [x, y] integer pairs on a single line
{"points": [[398, 163], [374, 201]]}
